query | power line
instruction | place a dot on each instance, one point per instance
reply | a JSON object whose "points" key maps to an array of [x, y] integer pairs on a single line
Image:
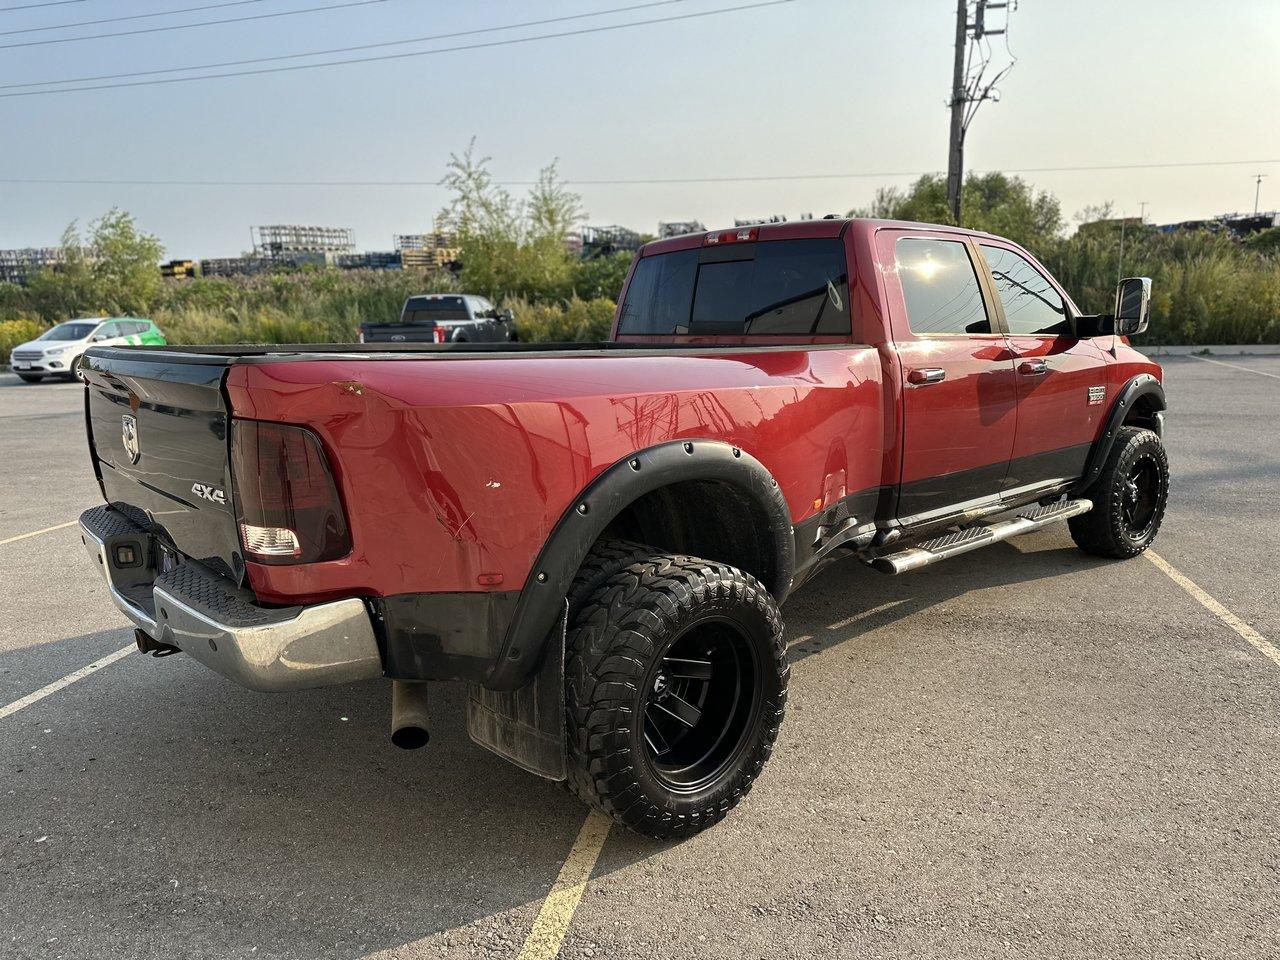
{"points": [[189, 26], [363, 46], [400, 56], [136, 16], [47, 3], [651, 181]]}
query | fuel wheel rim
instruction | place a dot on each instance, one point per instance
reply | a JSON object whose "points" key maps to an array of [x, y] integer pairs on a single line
{"points": [[1141, 498], [701, 701]]}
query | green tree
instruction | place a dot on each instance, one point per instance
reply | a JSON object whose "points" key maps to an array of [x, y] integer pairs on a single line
{"points": [[510, 248], [993, 202], [112, 271], [602, 276]]}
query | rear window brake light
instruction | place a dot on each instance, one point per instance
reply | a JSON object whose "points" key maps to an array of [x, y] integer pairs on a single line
{"points": [[739, 235]]}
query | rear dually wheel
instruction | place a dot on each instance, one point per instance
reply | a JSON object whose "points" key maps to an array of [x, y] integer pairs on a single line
{"points": [[676, 684]]}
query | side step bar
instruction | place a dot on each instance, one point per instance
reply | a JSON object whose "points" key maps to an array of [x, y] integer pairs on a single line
{"points": [[971, 538]]}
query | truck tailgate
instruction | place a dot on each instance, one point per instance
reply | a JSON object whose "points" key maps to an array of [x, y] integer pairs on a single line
{"points": [[159, 434], [419, 332]]}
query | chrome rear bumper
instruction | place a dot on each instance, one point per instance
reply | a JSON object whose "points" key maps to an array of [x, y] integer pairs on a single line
{"points": [[208, 617]]}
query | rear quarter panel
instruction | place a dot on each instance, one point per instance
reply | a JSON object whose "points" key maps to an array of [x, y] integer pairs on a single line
{"points": [[451, 469]]}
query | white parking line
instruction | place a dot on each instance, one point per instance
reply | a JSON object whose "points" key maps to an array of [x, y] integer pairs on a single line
{"points": [[1236, 366], [552, 923], [1252, 636], [36, 533], [70, 678]]}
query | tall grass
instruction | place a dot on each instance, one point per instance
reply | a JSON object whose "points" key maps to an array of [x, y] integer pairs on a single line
{"points": [[1206, 287]]}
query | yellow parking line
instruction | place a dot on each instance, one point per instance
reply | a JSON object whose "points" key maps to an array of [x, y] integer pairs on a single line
{"points": [[29, 699], [36, 533], [1252, 636], [547, 935]]}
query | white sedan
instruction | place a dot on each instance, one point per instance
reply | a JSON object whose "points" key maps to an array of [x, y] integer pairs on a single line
{"points": [[57, 351]]}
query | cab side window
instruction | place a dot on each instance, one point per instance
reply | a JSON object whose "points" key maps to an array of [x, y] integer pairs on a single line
{"points": [[940, 287], [1031, 305]]}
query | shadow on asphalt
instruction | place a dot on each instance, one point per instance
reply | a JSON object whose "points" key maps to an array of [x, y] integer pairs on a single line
{"points": [[287, 822], [11, 380], [290, 823], [848, 599]]}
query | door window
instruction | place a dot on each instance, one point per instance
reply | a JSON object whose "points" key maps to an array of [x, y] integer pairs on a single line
{"points": [[776, 288], [1031, 304], [940, 287]]}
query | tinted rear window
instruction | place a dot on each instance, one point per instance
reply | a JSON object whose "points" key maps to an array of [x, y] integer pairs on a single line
{"points": [[441, 308], [779, 288]]}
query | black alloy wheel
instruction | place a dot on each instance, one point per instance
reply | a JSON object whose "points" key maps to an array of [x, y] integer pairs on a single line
{"points": [[1129, 497], [702, 694]]}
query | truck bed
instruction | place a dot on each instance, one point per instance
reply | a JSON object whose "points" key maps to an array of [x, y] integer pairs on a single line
{"points": [[221, 354]]}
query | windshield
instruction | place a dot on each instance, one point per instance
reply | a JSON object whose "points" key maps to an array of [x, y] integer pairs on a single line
{"points": [[68, 331]]}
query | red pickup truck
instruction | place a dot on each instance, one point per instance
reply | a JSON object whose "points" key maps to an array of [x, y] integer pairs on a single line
{"points": [[597, 538]]}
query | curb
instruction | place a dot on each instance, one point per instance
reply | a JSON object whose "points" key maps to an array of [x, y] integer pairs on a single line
{"points": [[1214, 350]]}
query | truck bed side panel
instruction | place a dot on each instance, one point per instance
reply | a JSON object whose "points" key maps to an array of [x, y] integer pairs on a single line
{"points": [[455, 472]]}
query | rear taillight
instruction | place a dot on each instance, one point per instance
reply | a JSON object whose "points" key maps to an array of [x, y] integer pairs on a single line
{"points": [[439, 334], [287, 503]]}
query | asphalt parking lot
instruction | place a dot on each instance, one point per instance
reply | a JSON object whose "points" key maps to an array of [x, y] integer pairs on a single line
{"points": [[1019, 752]]}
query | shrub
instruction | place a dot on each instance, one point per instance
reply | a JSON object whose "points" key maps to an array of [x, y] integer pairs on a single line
{"points": [[571, 320], [14, 332]]}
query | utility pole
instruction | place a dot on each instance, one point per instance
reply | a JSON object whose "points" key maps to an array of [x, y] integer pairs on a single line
{"points": [[1142, 210], [955, 158], [1257, 190], [968, 89], [1120, 257]]}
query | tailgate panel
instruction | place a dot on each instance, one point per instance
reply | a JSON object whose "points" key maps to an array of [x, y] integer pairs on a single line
{"points": [[398, 332], [159, 435]]}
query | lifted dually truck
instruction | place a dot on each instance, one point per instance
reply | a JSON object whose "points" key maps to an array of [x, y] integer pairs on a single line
{"points": [[597, 538]]}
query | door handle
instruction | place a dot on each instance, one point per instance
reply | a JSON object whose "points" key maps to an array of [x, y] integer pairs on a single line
{"points": [[1033, 368], [924, 376]]}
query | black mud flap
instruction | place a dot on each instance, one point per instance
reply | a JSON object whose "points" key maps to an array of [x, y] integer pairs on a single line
{"points": [[526, 726]]}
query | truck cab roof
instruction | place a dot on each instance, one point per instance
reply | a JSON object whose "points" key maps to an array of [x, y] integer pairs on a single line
{"points": [[802, 230]]}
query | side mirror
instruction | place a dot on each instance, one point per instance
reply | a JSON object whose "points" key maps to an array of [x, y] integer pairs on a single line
{"points": [[1133, 306], [506, 316]]}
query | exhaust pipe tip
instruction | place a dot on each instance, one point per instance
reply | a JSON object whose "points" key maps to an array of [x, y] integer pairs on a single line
{"points": [[410, 738], [409, 714]]}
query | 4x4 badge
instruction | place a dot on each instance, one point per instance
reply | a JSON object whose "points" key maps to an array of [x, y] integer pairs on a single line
{"points": [[129, 437], [209, 492]]}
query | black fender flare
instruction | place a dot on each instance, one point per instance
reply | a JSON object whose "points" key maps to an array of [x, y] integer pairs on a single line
{"points": [[1143, 385], [542, 599]]}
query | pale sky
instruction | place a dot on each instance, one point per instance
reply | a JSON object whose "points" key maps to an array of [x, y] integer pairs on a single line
{"points": [[800, 88]]}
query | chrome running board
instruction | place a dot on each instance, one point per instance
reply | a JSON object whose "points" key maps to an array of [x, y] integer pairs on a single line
{"points": [[972, 538]]}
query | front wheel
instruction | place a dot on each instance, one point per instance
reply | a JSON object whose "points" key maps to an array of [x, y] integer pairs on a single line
{"points": [[676, 684], [1129, 498]]}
